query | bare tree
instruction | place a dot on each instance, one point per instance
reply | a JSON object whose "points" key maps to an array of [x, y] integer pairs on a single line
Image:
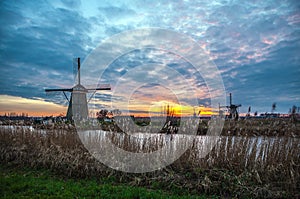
{"points": [[293, 115], [273, 107]]}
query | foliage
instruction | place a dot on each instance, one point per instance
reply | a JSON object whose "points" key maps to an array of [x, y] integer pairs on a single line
{"points": [[102, 114]]}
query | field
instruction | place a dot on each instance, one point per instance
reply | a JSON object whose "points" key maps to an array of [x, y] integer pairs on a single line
{"points": [[248, 161]]}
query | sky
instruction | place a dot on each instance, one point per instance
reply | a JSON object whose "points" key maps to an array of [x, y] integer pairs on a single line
{"points": [[254, 44]]}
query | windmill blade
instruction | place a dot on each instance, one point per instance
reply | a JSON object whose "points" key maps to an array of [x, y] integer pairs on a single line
{"points": [[57, 94], [75, 71], [66, 96], [59, 89], [98, 87]]}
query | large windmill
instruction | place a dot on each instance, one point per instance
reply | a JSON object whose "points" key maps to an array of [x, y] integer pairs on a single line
{"points": [[232, 108], [78, 107]]}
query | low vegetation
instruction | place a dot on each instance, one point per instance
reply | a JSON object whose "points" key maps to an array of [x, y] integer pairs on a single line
{"points": [[29, 183], [237, 166]]}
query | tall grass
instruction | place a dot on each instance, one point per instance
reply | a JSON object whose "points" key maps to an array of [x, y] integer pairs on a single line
{"points": [[235, 167]]}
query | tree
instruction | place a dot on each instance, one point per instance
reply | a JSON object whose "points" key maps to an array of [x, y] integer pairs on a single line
{"points": [[249, 111], [294, 109], [293, 115], [255, 113], [102, 114], [273, 107]]}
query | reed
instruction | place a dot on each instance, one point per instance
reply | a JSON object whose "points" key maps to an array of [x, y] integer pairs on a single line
{"points": [[237, 166]]}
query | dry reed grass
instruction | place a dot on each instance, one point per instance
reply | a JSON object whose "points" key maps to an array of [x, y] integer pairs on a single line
{"points": [[243, 127], [257, 127], [259, 167]]}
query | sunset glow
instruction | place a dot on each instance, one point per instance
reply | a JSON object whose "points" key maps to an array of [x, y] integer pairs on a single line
{"points": [[33, 107], [160, 109]]}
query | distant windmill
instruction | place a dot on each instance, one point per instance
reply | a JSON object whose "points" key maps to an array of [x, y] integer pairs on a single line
{"points": [[232, 108], [78, 100]]}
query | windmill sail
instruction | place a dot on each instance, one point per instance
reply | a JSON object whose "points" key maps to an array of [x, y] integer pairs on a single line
{"points": [[76, 70]]}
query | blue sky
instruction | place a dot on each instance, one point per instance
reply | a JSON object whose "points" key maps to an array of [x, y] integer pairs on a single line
{"points": [[255, 45]]}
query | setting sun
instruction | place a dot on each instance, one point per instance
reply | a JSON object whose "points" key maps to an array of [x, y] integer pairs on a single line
{"points": [[175, 109]]}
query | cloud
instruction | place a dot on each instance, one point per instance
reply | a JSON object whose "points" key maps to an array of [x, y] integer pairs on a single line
{"points": [[255, 45], [34, 107], [37, 48]]}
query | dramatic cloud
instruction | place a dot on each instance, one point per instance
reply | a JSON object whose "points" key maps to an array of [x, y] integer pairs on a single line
{"points": [[255, 45]]}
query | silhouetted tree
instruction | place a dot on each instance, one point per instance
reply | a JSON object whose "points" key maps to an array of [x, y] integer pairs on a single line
{"points": [[293, 116], [102, 114], [294, 109], [273, 107], [249, 110]]}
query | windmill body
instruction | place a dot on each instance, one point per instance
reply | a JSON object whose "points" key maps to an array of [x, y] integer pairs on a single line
{"points": [[78, 107], [78, 103]]}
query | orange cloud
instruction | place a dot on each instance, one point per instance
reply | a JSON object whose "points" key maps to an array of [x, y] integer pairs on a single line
{"points": [[34, 107]]}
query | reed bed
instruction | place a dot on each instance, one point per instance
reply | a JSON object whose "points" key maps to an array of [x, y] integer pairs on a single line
{"points": [[262, 127], [237, 166], [243, 127]]}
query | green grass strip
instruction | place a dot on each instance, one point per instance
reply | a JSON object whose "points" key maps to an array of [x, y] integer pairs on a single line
{"points": [[29, 183]]}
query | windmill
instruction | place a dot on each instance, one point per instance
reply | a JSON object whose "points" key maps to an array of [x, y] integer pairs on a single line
{"points": [[78, 107], [232, 108]]}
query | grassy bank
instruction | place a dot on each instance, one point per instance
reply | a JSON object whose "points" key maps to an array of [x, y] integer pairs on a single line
{"points": [[30, 183]]}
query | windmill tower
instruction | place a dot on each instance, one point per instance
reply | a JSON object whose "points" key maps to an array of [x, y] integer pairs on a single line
{"points": [[78, 107], [232, 108]]}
